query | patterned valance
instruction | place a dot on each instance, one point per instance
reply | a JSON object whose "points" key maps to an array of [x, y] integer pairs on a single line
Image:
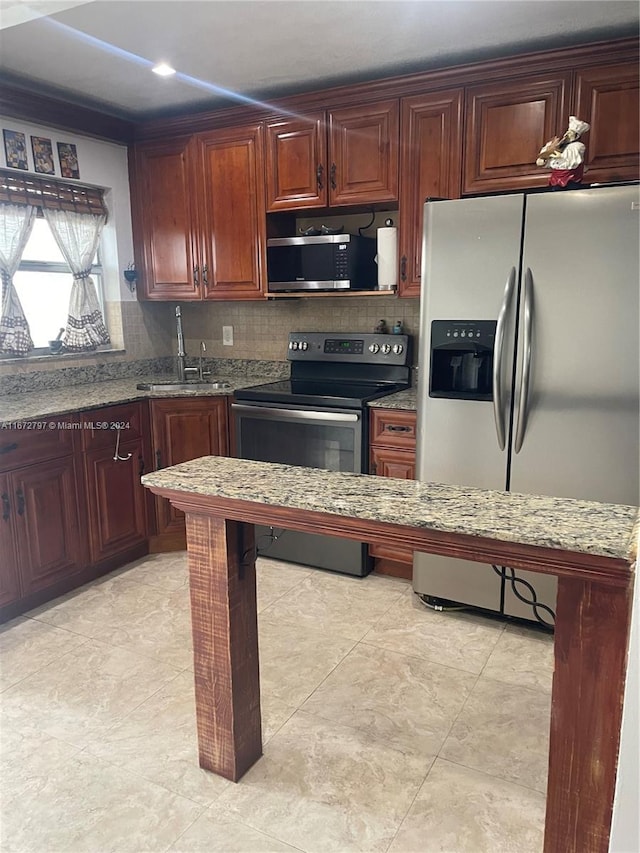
{"points": [[50, 194]]}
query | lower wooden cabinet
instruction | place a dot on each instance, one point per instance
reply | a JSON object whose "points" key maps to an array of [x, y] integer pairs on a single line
{"points": [[116, 454], [184, 429], [41, 537], [393, 454]]}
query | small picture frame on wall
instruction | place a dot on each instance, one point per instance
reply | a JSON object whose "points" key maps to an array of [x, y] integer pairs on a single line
{"points": [[15, 149], [68, 157], [42, 155]]}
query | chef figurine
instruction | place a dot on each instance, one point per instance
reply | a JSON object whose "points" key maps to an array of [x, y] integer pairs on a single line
{"points": [[565, 156]]}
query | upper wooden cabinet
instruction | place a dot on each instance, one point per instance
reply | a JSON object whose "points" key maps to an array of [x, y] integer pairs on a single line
{"points": [[233, 225], [165, 220], [430, 164], [199, 216], [607, 97], [344, 157], [506, 125]]}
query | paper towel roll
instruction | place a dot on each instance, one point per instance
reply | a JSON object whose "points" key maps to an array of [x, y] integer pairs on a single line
{"points": [[387, 258]]}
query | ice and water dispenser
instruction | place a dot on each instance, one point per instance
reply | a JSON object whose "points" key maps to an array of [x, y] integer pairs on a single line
{"points": [[462, 359]]}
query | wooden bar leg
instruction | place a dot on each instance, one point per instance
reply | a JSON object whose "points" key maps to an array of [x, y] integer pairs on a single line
{"points": [[225, 643], [591, 644]]}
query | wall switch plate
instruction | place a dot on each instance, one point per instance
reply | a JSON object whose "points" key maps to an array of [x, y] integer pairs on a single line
{"points": [[227, 336]]}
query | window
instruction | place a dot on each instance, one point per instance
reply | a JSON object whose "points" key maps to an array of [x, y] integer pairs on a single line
{"points": [[43, 282]]}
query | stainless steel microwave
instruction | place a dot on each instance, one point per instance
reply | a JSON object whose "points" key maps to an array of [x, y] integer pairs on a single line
{"points": [[324, 262]]}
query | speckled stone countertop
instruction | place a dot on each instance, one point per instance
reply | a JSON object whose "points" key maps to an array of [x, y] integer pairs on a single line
{"points": [[78, 398], [402, 400], [569, 525]]}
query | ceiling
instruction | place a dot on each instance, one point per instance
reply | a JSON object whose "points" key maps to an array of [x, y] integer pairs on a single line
{"points": [[99, 53]]}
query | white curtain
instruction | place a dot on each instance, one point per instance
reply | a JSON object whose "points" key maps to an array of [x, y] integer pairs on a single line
{"points": [[78, 235], [16, 222]]}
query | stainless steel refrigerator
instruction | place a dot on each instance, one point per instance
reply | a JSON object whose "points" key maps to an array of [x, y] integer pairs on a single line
{"points": [[529, 365]]}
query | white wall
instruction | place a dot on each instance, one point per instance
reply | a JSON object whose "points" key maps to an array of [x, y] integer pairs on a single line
{"points": [[102, 164]]}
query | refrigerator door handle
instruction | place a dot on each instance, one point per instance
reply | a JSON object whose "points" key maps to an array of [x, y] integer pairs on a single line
{"points": [[498, 405], [525, 376]]}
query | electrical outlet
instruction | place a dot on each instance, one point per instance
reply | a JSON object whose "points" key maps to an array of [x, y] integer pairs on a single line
{"points": [[227, 336]]}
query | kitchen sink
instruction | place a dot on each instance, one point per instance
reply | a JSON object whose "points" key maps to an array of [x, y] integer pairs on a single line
{"points": [[182, 386]]}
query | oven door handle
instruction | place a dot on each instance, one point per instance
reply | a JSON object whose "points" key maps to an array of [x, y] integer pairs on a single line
{"points": [[273, 414]]}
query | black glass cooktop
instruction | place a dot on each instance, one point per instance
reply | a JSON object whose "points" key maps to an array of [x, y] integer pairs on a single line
{"points": [[323, 393]]}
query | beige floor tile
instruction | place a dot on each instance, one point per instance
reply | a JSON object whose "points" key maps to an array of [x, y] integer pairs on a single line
{"points": [[458, 810], [336, 604], [27, 645], [522, 656], [136, 616], [165, 571], [275, 578], [324, 787], [402, 701], [295, 659], [503, 730], [90, 806], [82, 694], [459, 640], [217, 833]]}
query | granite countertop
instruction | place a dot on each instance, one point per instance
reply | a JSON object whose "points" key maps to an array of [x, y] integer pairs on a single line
{"points": [[78, 398], [585, 527], [401, 400]]}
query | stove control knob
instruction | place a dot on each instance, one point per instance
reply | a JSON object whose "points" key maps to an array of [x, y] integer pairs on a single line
{"points": [[386, 348], [374, 348], [304, 346], [293, 345], [397, 348]]}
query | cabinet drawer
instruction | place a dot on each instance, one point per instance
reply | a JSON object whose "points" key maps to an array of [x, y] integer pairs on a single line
{"points": [[36, 441], [100, 426], [393, 428]]}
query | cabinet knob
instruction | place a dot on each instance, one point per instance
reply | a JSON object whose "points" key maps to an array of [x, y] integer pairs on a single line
{"points": [[196, 276], [205, 274], [319, 173], [403, 268], [20, 496], [6, 507], [8, 448], [397, 428], [158, 460], [332, 176]]}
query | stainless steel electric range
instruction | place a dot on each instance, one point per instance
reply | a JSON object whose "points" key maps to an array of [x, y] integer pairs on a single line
{"points": [[318, 418]]}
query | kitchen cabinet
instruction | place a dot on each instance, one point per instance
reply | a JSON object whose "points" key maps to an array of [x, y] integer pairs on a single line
{"points": [[184, 429], [199, 220], [506, 124], [430, 166], [341, 157], [116, 451], [392, 454], [9, 574], [41, 538], [165, 224], [608, 97]]}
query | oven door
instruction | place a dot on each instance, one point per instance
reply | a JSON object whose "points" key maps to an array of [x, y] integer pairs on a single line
{"points": [[333, 440]]}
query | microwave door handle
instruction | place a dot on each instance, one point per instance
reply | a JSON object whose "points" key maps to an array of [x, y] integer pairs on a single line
{"points": [[525, 376], [498, 403]]}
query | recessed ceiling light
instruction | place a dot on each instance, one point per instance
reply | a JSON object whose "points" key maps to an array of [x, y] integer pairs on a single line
{"points": [[163, 69]]}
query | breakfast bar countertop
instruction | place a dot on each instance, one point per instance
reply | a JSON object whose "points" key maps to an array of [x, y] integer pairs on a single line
{"points": [[584, 527]]}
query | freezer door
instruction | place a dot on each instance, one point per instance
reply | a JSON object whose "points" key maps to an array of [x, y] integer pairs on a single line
{"points": [[579, 423], [469, 249]]}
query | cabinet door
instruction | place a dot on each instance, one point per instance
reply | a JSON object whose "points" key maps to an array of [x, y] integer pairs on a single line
{"points": [[430, 166], [607, 97], [233, 214], [46, 523], [506, 125], [296, 163], [401, 465], [9, 576], [116, 500], [165, 220], [182, 430], [363, 154]]}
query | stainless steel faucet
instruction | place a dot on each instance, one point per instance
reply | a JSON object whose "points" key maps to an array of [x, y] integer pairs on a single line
{"points": [[202, 373], [183, 370]]}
